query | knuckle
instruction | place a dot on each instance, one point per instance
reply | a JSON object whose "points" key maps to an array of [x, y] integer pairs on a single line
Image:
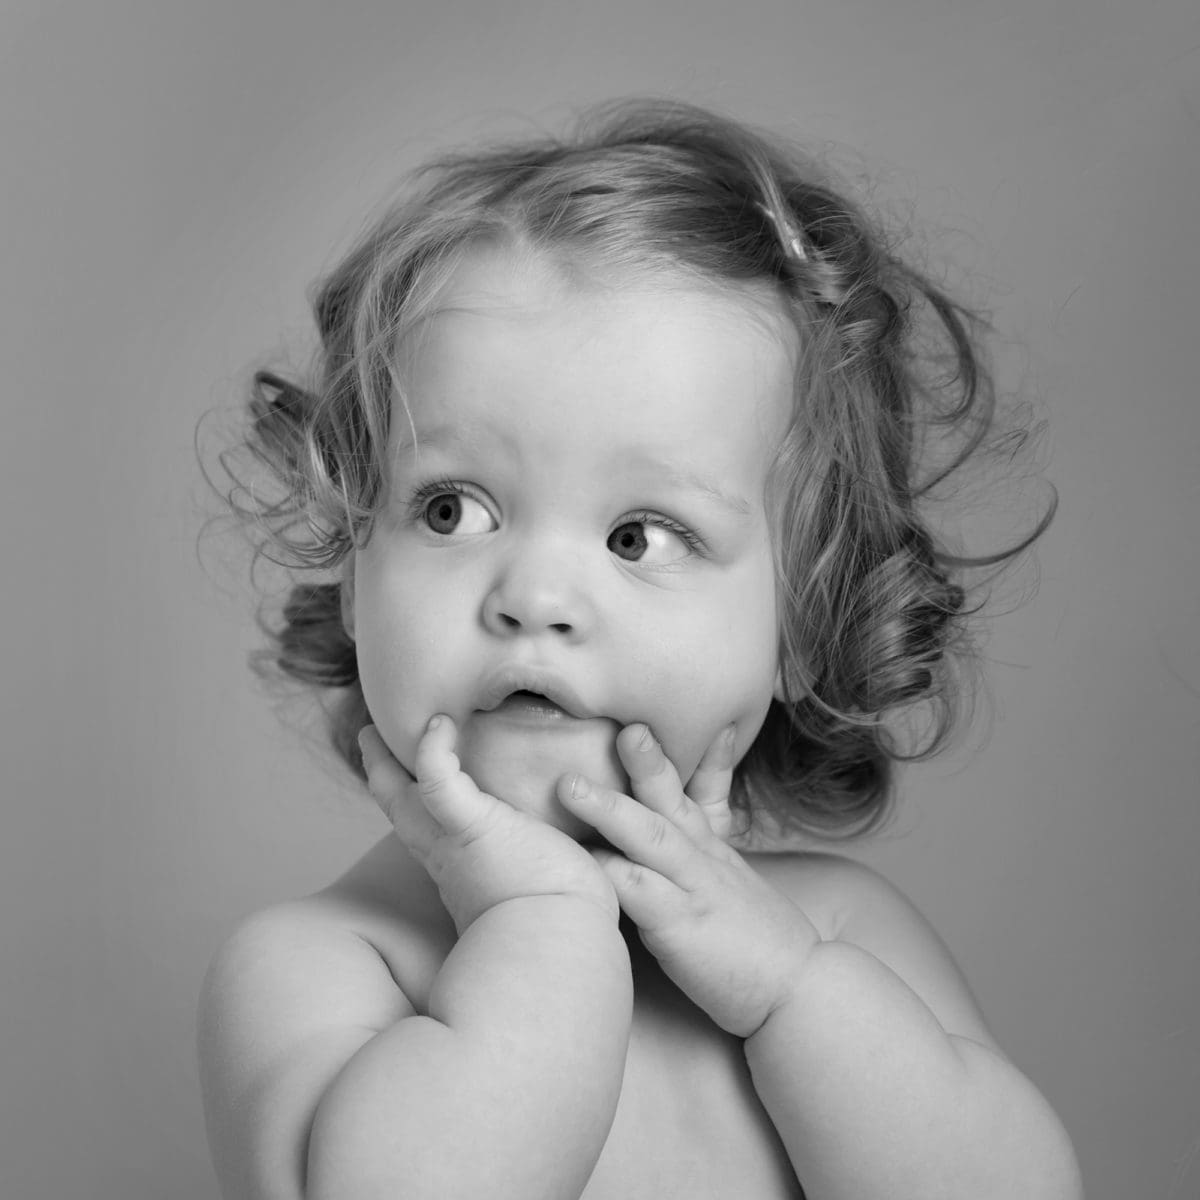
{"points": [[473, 832], [482, 822], [657, 830], [681, 810], [635, 873], [606, 800], [438, 861], [429, 786]]}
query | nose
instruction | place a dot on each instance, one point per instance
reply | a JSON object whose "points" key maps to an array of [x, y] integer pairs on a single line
{"points": [[538, 590]]}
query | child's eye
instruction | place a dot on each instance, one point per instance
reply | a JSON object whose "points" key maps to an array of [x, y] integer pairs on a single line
{"points": [[447, 509], [652, 542]]}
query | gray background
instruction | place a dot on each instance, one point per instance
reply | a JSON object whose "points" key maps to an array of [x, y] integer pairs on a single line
{"points": [[175, 175]]}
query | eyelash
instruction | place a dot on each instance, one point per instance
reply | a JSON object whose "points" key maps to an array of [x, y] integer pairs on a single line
{"points": [[435, 487], [439, 487], [641, 517]]}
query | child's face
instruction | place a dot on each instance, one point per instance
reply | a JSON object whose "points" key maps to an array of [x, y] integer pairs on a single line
{"points": [[582, 514]]}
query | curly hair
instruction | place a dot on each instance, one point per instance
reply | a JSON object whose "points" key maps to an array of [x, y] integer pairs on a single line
{"points": [[873, 610]]}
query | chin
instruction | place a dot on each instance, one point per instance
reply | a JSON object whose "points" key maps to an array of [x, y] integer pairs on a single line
{"points": [[528, 791], [524, 773]]}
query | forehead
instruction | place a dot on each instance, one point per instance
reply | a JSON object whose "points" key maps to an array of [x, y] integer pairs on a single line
{"points": [[525, 348]]}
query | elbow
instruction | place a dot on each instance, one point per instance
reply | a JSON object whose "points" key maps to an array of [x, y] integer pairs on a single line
{"points": [[1025, 1130], [1064, 1180]]}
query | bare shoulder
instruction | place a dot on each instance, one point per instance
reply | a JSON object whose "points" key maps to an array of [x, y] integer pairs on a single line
{"points": [[336, 957], [850, 902], [290, 997]]}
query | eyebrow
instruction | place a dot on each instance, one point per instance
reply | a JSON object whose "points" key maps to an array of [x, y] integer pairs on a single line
{"points": [[438, 437], [677, 475]]}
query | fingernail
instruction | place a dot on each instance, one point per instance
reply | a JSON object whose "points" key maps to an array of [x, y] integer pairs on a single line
{"points": [[434, 722], [579, 787], [646, 741]]}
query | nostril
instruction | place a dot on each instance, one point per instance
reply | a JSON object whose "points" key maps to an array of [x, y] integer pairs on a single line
{"points": [[513, 618]]}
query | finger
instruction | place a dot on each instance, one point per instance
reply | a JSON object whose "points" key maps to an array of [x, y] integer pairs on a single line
{"points": [[644, 895], [712, 781], [392, 786], [448, 793], [642, 835], [654, 781]]}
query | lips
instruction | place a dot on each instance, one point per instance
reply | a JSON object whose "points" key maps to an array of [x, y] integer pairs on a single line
{"points": [[533, 690]]}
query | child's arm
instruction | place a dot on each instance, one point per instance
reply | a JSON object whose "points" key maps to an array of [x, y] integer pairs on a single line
{"points": [[864, 1044], [321, 1080], [879, 1074]]}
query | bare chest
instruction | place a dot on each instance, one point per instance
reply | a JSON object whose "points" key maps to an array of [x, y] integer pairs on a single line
{"points": [[688, 1122]]}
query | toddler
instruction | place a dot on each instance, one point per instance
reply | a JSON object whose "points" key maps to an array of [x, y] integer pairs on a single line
{"points": [[617, 453]]}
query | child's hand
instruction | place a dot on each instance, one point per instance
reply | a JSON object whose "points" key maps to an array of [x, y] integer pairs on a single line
{"points": [[478, 850], [729, 940]]}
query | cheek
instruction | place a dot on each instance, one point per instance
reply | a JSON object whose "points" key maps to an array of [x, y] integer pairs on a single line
{"points": [[707, 677], [402, 644], [689, 729]]}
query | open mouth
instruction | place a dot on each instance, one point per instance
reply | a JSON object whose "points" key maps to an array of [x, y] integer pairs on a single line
{"points": [[531, 704], [530, 693]]}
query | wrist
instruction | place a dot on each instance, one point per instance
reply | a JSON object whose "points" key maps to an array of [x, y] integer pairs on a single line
{"points": [[537, 954], [784, 978], [552, 935], [837, 982], [468, 905]]}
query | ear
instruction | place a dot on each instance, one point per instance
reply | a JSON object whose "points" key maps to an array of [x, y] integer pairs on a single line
{"points": [[346, 594]]}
